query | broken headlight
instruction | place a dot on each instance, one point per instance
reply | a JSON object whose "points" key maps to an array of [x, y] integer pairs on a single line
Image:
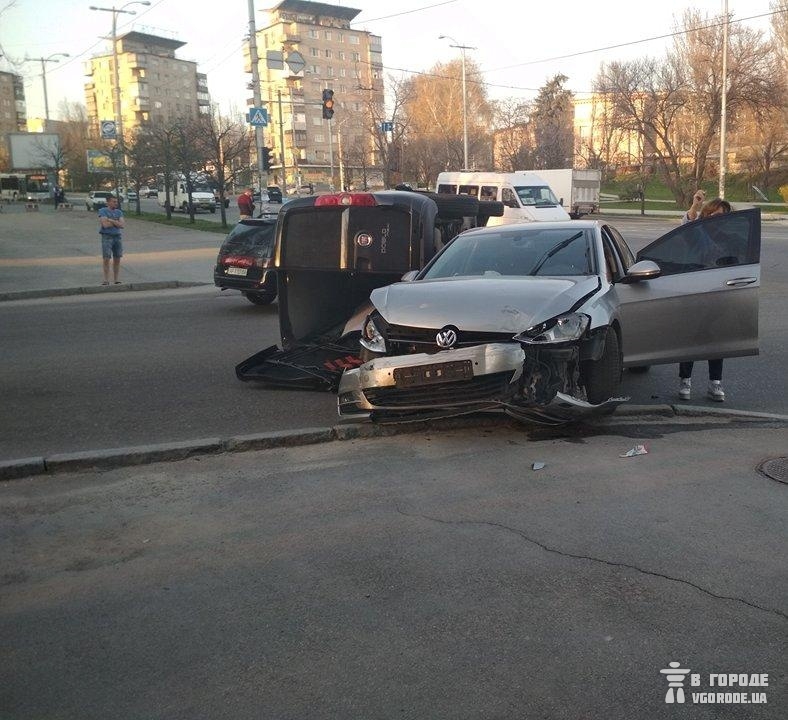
{"points": [[371, 337], [561, 329]]}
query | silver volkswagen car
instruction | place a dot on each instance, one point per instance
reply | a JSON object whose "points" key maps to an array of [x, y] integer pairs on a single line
{"points": [[539, 319]]}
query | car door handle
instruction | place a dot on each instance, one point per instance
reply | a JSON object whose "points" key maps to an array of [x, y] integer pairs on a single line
{"points": [[736, 282]]}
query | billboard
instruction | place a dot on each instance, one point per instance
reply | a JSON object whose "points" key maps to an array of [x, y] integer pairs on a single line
{"points": [[30, 151], [99, 161]]}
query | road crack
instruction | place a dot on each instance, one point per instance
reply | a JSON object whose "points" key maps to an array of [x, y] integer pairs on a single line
{"points": [[600, 561]]}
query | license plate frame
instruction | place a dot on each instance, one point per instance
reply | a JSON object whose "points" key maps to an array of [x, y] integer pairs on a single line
{"points": [[418, 375], [239, 271]]}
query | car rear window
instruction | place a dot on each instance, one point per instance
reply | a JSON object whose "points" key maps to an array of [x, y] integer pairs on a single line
{"points": [[251, 239]]}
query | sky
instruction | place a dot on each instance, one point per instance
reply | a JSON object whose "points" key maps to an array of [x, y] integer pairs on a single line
{"points": [[519, 45]]}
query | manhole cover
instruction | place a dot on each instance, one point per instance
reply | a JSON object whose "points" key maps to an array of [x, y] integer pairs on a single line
{"points": [[776, 469]]}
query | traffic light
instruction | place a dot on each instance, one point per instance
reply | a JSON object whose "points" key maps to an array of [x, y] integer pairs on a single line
{"points": [[266, 158], [328, 104]]}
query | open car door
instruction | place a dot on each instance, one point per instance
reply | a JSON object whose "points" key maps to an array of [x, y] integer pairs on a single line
{"points": [[704, 304]]}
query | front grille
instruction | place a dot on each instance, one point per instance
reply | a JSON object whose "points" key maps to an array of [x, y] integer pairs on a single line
{"points": [[483, 387], [403, 339]]}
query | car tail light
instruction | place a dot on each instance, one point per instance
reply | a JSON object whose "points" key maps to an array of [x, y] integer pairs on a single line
{"points": [[365, 199], [238, 261]]}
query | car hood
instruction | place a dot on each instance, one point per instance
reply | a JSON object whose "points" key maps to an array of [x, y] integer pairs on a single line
{"points": [[483, 304]]}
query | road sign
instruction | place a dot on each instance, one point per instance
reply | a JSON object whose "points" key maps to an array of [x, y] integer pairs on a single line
{"points": [[108, 130], [387, 127], [273, 60], [295, 61], [258, 117]]}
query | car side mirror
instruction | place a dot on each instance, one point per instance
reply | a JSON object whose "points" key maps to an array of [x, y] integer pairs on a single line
{"points": [[410, 275], [643, 270]]}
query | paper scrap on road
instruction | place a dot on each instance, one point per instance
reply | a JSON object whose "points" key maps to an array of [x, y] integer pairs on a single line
{"points": [[537, 466], [637, 450]]}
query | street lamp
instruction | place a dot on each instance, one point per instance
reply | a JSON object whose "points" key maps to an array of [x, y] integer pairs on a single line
{"points": [[44, 61], [116, 99], [462, 49]]}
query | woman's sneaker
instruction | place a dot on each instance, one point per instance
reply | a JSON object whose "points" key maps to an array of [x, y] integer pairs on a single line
{"points": [[685, 389], [716, 392]]}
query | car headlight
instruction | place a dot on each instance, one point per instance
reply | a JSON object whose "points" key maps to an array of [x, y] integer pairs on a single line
{"points": [[371, 338], [564, 328]]}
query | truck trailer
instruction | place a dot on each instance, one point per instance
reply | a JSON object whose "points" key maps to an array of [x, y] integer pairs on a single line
{"points": [[577, 190]]}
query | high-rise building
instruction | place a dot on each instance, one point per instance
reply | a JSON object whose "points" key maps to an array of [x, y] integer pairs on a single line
{"points": [[154, 84], [13, 117], [306, 145]]}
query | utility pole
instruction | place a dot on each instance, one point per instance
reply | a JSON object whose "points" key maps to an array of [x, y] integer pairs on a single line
{"points": [[258, 130], [282, 143], [723, 108]]}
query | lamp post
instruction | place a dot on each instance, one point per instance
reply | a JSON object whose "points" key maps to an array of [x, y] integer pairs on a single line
{"points": [[116, 95], [462, 49], [44, 61]]}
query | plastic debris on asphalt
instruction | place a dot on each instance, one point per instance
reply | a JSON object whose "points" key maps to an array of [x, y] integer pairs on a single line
{"points": [[637, 450], [537, 466]]}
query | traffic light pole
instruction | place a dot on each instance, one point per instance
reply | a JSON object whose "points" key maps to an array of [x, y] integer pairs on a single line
{"points": [[258, 130]]}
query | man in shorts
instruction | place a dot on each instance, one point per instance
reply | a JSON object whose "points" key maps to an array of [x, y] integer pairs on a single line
{"points": [[111, 219]]}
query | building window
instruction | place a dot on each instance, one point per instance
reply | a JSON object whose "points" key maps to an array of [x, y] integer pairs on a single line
{"points": [[314, 52], [342, 72], [318, 138], [330, 71], [341, 54], [317, 121], [314, 34], [314, 69], [356, 57], [327, 35], [329, 54], [353, 39], [340, 37]]}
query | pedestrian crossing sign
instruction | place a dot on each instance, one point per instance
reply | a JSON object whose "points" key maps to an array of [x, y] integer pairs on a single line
{"points": [[258, 117]]}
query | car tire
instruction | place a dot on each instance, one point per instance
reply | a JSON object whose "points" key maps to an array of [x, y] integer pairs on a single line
{"points": [[602, 378], [260, 298], [639, 369]]}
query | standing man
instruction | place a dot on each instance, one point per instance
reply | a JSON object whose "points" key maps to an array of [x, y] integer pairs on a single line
{"points": [[112, 223], [246, 203]]}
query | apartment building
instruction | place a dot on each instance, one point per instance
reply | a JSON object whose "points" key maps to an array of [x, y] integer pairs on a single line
{"points": [[13, 117], [337, 57], [154, 84]]}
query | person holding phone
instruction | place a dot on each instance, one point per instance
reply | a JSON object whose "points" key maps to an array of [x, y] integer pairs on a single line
{"points": [[697, 205]]}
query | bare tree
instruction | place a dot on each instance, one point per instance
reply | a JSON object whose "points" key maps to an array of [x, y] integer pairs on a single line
{"points": [[513, 138], [223, 141]]}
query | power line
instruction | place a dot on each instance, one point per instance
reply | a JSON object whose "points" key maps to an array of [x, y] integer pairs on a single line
{"points": [[406, 12]]}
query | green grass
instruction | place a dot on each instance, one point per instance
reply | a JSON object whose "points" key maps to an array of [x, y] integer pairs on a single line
{"points": [[182, 221]]}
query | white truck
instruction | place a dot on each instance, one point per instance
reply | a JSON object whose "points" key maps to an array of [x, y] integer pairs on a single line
{"points": [[202, 195], [578, 190]]}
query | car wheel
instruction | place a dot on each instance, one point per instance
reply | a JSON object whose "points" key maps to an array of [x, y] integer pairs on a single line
{"points": [[639, 369], [602, 378], [260, 298]]}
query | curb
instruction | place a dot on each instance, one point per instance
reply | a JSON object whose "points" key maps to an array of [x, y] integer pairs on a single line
{"points": [[113, 458], [98, 289]]}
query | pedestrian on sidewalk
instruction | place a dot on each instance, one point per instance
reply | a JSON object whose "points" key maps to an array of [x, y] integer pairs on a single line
{"points": [[246, 203], [717, 206], [111, 226]]}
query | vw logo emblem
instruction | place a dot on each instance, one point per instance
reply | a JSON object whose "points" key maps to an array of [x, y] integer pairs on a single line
{"points": [[446, 338], [364, 240]]}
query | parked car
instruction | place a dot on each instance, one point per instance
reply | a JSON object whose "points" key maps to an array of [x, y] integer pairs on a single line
{"points": [[131, 195], [274, 194], [97, 199], [539, 319], [245, 260]]}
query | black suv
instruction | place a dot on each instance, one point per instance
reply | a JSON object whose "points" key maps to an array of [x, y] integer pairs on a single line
{"points": [[274, 194], [245, 260]]}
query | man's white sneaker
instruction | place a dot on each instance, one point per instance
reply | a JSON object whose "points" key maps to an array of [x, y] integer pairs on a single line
{"points": [[716, 392], [685, 389]]}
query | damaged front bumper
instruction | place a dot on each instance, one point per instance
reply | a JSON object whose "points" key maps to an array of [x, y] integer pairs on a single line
{"points": [[493, 376]]}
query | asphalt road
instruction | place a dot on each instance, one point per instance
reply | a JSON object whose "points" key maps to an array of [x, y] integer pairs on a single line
{"points": [[429, 576]]}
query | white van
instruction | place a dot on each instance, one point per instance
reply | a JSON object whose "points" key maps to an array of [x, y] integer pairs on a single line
{"points": [[525, 196]]}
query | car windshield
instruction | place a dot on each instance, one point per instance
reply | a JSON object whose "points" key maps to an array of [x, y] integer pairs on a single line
{"points": [[532, 251], [539, 195]]}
